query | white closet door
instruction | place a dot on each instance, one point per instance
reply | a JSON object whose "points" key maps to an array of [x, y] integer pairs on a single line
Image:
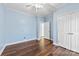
{"points": [[63, 31], [74, 33], [77, 32], [60, 31], [68, 31]]}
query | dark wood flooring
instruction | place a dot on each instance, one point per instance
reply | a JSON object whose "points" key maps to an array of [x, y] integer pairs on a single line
{"points": [[60, 51], [32, 48]]}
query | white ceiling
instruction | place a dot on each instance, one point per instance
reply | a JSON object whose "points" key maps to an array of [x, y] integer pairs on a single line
{"points": [[48, 8]]}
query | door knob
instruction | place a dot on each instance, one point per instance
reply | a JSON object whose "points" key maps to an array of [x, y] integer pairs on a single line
{"points": [[70, 33]]}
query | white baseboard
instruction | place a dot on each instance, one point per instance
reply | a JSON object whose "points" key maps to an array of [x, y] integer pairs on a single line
{"points": [[2, 49], [20, 41], [14, 43]]}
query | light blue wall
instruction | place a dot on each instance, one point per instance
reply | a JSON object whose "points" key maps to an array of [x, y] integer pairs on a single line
{"points": [[15, 25], [18, 26], [1, 26], [72, 7]]}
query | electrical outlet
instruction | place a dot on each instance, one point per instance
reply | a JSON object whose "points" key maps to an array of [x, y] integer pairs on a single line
{"points": [[24, 37]]}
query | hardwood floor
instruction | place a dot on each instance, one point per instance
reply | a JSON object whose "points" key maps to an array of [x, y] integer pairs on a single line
{"points": [[60, 51], [32, 48]]}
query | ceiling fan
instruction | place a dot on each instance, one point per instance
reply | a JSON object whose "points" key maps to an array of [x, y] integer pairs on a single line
{"points": [[35, 5]]}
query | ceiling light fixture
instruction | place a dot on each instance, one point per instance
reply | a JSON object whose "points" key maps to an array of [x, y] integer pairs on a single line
{"points": [[35, 5]]}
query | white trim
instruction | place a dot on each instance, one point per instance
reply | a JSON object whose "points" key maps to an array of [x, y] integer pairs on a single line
{"points": [[2, 49], [20, 41], [14, 43]]}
